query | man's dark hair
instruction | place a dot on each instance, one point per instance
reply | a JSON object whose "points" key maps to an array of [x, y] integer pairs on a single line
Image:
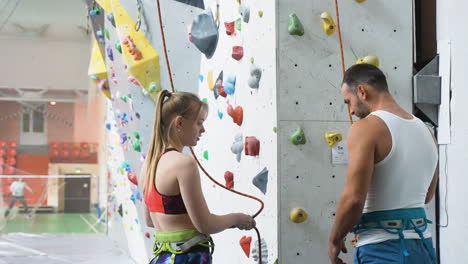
{"points": [[365, 74]]}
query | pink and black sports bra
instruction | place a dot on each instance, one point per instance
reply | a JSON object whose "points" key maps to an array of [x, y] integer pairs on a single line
{"points": [[165, 204]]}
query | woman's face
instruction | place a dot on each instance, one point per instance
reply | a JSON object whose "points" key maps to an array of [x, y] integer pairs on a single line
{"points": [[192, 129]]}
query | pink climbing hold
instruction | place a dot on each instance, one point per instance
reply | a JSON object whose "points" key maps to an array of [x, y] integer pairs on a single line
{"points": [[230, 27], [131, 48], [237, 52], [229, 178], [133, 80], [132, 177], [189, 30], [245, 245], [252, 146], [237, 114]]}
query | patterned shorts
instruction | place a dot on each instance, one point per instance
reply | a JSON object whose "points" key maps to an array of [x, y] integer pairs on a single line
{"points": [[201, 257]]}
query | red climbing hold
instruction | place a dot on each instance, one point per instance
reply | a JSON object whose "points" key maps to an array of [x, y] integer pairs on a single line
{"points": [[230, 27], [245, 245], [229, 177], [252, 146], [237, 114], [220, 88], [132, 177], [237, 52], [147, 234]]}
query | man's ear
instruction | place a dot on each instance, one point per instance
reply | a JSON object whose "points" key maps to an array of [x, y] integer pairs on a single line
{"points": [[362, 91]]}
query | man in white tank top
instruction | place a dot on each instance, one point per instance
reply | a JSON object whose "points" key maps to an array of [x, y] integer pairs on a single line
{"points": [[392, 174]]}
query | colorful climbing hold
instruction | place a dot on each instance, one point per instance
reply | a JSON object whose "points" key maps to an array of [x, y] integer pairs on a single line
{"points": [[245, 245], [333, 138], [360, 1], [230, 27], [229, 178], [244, 12], [369, 59], [275, 129], [237, 52], [123, 98], [252, 60], [237, 114], [109, 52], [260, 13], [106, 32], [298, 138], [147, 235], [205, 33], [230, 84], [136, 146], [118, 46], [210, 82], [298, 215], [205, 154], [220, 114], [295, 26], [110, 17], [123, 138], [108, 126], [261, 180], [136, 135], [153, 87], [131, 48], [328, 25], [205, 100], [264, 252], [239, 24], [255, 76], [200, 77], [237, 147], [218, 87], [132, 177], [252, 146]]}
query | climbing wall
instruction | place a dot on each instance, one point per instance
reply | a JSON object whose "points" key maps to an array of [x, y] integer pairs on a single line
{"points": [[131, 113], [239, 115], [309, 98]]}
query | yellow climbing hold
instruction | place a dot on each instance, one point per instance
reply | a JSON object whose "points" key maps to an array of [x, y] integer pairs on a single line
{"points": [[333, 138], [97, 69], [328, 25], [140, 57], [298, 215], [369, 59], [360, 1], [210, 80], [260, 13]]}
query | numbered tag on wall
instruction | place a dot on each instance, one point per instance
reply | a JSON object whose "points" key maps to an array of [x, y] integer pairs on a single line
{"points": [[340, 153]]}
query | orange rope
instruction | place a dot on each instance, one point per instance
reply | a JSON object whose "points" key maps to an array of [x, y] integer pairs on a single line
{"points": [[343, 68], [193, 153]]}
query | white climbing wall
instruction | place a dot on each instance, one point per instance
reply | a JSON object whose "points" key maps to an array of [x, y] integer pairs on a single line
{"points": [[131, 111], [257, 37], [309, 97]]}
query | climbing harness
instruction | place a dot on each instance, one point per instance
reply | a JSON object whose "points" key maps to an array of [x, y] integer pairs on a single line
{"points": [[180, 242], [395, 222]]}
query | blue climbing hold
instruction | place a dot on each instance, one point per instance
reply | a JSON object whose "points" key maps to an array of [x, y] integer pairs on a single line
{"points": [[220, 114], [200, 77], [230, 84], [108, 126]]}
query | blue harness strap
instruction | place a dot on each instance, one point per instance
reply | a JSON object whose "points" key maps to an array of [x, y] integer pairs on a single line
{"points": [[395, 222]]}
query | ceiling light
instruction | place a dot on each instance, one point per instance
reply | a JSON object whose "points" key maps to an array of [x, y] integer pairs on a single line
{"points": [[53, 103]]}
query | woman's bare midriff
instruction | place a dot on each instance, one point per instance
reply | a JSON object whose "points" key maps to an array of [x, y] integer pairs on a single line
{"points": [[166, 223]]}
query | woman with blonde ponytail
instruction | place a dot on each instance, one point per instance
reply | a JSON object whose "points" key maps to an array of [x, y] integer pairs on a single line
{"points": [[175, 205]]}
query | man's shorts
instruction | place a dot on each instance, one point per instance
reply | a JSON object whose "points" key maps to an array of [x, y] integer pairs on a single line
{"points": [[389, 252]]}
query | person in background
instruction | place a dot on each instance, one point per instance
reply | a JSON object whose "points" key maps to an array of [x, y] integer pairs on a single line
{"points": [[17, 194]]}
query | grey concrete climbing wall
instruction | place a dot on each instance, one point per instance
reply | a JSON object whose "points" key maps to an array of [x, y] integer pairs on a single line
{"points": [[309, 97]]}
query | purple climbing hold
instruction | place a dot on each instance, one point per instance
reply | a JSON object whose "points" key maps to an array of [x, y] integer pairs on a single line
{"points": [[123, 138], [110, 55]]}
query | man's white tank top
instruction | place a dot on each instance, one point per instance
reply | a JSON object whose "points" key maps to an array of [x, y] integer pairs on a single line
{"points": [[402, 179]]}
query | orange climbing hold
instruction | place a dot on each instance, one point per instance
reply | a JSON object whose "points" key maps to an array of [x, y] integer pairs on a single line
{"points": [[237, 113], [229, 178], [132, 177], [245, 245], [132, 49]]}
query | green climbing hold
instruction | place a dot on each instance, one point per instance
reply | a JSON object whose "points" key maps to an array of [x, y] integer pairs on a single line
{"points": [[136, 146], [276, 261], [96, 10], [106, 32], [205, 100], [205, 154], [153, 87], [123, 98], [126, 212], [295, 26], [239, 24], [118, 46], [252, 60], [298, 138], [129, 95], [121, 171], [136, 134], [275, 129]]}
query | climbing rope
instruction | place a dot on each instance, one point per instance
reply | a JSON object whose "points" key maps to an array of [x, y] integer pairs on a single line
{"points": [[343, 68], [138, 23], [191, 149]]}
